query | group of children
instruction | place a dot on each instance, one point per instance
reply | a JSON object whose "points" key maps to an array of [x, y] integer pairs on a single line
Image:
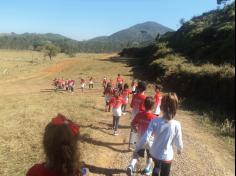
{"points": [[68, 84], [152, 122], [152, 119]]}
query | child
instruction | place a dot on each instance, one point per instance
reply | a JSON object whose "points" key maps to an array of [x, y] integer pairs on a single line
{"points": [[82, 82], [104, 83], [91, 82], [60, 142], [108, 93], [137, 102], [116, 103], [157, 98], [67, 84], [141, 122], [119, 80], [133, 86], [71, 85], [125, 95], [166, 132], [55, 83]]}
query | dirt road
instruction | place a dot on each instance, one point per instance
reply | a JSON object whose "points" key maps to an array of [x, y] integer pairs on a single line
{"points": [[105, 154]]}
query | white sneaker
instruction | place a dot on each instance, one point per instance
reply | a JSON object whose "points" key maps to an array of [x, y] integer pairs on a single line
{"points": [[130, 170], [124, 113], [115, 133]]}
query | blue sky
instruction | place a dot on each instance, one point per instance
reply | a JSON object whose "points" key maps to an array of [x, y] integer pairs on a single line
{"points": [[85, 19]]}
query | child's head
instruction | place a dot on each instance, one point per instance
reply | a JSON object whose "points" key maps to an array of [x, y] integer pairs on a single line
{"points": [[119, 87], [158, 88], [126, 86], [169, 105], [118, 75], [116, 93], [149, 103], [60, 143], [109, 85], [141, 86]]}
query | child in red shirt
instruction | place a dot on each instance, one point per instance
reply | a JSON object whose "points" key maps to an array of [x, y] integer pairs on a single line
{"points": [[119, 80], [82, 83], [137, 103], [60, 144], [71, 85], [125, 95], [108, 93], [157, 99], [116, 103], [140, 123]]}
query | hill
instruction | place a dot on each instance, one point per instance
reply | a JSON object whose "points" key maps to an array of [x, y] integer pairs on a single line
{"points": [[137, 35], [207, 38], [197, 61]]}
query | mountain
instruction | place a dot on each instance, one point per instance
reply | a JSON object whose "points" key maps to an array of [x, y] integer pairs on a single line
{"points": [[137, 35]]}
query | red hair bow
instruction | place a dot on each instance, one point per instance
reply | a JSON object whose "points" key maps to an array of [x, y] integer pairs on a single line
{"points": [[61, 119]]}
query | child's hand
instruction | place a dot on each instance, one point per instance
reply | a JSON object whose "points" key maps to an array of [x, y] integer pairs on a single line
{"points": [[179, 152]]}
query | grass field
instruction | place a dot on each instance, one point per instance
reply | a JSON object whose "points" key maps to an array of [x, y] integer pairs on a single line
{"points": [[28, 103]]}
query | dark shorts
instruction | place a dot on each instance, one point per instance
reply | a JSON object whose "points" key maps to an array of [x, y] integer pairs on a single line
{"points": [[142, 152]]}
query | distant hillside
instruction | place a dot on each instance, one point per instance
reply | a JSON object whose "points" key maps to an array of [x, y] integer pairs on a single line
{"points": [[207, 38], [197, 62], [33, 41], [137, 35]]}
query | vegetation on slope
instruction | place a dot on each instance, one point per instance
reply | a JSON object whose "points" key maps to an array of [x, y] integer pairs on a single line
{"points": [[207, 38], [138, 35], [197, 63]]}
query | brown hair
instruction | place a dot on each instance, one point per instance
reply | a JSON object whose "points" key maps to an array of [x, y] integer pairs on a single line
{"points": [[61, 149], [169, 105], [149, 103]]}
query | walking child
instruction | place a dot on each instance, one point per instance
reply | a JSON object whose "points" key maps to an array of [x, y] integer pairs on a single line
{"points": [[140, 123], [60, 142], [133, 86], [91, 82], [82, 83], [166, 132], [137, 105], [157, 98], [108, 93], [125, 95], [104, 83], [71, 84], [119, 80], [116, 103]]}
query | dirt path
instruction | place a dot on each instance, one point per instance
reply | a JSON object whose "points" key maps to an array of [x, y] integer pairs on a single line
{"points": [[105, 154]]}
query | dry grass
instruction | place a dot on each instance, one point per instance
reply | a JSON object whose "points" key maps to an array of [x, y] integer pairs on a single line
{"points": [[26, 106]]}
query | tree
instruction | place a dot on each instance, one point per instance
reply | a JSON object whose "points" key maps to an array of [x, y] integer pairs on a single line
{"points": [[219, 2], [51, 50], [158, 37], [182, 21]]}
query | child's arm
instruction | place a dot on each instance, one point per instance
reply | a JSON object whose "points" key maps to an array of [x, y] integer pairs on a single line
{"points": [[145, 138], [134, 122], [178, 139]]}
